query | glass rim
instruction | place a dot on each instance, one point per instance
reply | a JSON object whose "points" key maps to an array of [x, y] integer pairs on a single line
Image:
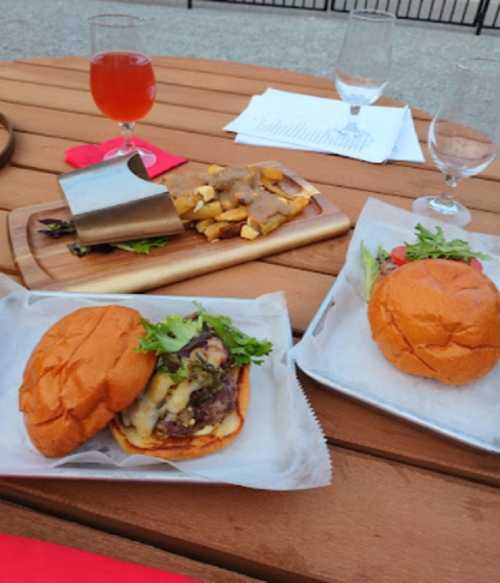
{"points": [[372, 15], [116, 20]]}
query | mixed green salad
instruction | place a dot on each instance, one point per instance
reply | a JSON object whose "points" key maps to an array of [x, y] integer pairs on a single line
{"points": [[428, 245], [57, 228]]}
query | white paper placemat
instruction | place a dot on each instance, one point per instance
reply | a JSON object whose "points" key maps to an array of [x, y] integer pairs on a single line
{"points": [[296, 121], [281, 446], [338, 349]]}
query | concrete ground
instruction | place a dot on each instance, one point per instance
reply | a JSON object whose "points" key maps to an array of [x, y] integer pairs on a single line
{"points": [[292, 39]]}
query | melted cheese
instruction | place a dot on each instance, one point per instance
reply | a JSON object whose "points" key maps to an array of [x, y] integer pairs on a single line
{"points": [[228, 425], [179, 397], [158, 387], [204, 430], [144, 413]]}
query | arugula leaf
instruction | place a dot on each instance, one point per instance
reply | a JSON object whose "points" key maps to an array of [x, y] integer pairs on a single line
{"points": [[434, 245], [244, 349], [371, 270], [169, 335], [142, 246], [173, 333], [182, 373], [382, 255]]}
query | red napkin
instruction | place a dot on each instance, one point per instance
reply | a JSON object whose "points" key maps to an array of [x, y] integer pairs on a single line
{"points": [[82, 156], [24, 560]]}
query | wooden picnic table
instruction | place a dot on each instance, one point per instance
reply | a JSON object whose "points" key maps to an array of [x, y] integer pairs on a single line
{"points": [[405, 504]]}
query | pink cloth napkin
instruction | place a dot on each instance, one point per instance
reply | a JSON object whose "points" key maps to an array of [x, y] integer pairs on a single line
{"points": [[24, 560], [83, 156]]}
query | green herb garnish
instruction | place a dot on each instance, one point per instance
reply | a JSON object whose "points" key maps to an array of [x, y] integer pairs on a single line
{"points": [[181, 374], [169, 335], [371, 270], [142, 246], [244, 349], [434, 245], [173, 333], [382, 255]]}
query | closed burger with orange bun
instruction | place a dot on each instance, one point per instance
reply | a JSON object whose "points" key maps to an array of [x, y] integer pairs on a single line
{"points": [[83, 371], [433, 317], [196, 401]]}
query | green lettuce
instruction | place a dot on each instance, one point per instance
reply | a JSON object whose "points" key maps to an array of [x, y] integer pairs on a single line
{"points": [[371, 270]]}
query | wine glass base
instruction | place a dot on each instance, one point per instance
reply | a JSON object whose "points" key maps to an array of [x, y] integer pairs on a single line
{"points": [[359, 138], [447, 211], [148, 158]]}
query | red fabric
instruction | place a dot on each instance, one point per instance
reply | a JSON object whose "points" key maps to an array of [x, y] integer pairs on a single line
{"points": [[24, 560], [82, 156]]}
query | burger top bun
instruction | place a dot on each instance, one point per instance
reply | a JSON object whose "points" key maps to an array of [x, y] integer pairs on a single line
{"points": [[83, 370], [439, 319]]}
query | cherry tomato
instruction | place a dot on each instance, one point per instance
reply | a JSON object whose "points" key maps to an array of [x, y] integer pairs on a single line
{"points": [[398, 255], [476, 264]]}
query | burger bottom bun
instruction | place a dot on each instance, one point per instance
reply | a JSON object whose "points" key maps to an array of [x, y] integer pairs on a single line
{"points": [[182, 448]]}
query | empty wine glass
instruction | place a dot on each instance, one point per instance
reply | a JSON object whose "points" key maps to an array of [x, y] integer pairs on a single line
{"points": [[122, 80], [463, 134], [364, 63]]}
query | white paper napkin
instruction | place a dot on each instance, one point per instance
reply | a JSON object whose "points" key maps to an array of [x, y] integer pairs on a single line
{"points": [[304, 122], [335, 349], [281, 446]]}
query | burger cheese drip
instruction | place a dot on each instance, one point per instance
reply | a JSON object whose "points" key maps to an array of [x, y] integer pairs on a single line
{"points": [[203, 403]]}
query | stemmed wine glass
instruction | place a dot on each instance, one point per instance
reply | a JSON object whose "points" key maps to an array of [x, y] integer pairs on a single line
{"points": [[122, 80], [364, 63], [463, 134]]}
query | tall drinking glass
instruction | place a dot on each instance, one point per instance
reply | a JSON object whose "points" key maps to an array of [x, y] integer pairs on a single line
{"points": [[463, 134], [364, 63], [122, 80]]}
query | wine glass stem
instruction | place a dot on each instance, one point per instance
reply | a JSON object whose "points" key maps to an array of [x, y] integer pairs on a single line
{"points": [[448, 197], [354, 111], [127, 129]]}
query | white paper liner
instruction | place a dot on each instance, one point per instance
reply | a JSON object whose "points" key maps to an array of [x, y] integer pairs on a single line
{"points": [[340, 351], [281, 446]]}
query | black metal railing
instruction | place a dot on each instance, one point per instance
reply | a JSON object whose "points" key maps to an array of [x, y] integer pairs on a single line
{"points": [[478, 14]]}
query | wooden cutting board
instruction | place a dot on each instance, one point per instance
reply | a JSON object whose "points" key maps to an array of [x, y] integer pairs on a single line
{"points": [[46, 263]]}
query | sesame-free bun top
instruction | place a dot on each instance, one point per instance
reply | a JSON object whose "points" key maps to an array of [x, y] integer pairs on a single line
{"points": [[84, 369], [439, 319]]}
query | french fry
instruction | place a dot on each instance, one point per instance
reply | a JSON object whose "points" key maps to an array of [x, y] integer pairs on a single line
{"points": [[227, 200], [208, 211], [184, 203], [231, 230], [276, 189], [201, 226], [234, 215], [272, 224], [298, 204], [248, 232], [206, 192], [271, 174], [214, 231], [214, 169]]}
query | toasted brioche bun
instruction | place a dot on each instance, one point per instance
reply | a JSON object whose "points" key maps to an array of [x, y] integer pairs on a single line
{"points": [[438, 319], [83, 370], [182, 448]]}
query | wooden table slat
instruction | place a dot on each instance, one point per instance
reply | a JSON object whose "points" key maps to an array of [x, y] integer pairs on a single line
{"points": [[316, 85], [18, 521], [171, 109], [45, 153], [380, 521]]}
